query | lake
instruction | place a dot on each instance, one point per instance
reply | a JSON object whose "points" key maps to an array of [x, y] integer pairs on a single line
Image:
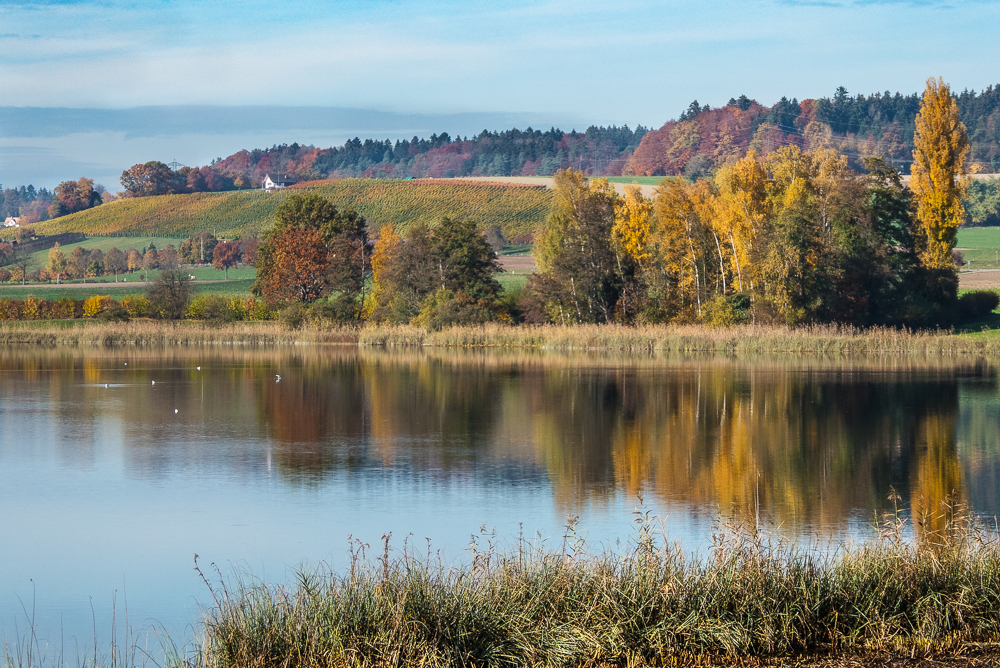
{"points": [[118, 466]]}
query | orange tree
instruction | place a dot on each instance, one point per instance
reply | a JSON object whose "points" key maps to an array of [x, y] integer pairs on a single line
{"points": [[225, 255], [314, 251]]}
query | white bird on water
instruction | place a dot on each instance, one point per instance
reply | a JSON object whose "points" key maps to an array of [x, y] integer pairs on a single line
{"points": [[175, 410], [278, 378], [153, 383], [198, 368]]}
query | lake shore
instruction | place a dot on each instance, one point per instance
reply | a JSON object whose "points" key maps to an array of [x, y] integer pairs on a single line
{"points": [[743, 339]]}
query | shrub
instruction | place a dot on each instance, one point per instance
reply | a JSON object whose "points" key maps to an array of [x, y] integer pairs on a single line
{"points": [[445, 308], [293, 316], [115, 313], [727, 311], [137, 306], [213, 308], [96, 305], [977, 304]]}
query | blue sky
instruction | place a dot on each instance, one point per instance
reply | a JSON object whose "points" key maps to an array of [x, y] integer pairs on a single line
{"points": [[561, 62]]}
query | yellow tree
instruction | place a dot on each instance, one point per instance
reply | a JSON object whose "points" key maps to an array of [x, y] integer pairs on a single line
{"points": [[940, 151], [382, 256], [678, 234], [743, 210], [57, 261], [631, 228]]}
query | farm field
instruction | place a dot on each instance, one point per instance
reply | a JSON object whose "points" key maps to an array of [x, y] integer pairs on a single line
{"points": [[517, 209]]}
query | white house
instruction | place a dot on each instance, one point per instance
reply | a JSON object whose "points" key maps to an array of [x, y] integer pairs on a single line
{"points": [[11, 221], [280, 181]]}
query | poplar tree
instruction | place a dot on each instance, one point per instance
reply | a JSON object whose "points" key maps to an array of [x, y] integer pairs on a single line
{"points": [[940, 150]]}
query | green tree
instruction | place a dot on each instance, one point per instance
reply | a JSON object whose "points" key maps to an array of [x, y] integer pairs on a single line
{"points": [[584, 278], [465, 261]]}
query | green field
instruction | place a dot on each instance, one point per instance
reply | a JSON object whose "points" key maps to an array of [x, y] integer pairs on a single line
{"points": [[517, 210], [984, 243]]}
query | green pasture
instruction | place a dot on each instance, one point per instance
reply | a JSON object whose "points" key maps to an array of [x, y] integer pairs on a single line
{"points": [[984, 247]]}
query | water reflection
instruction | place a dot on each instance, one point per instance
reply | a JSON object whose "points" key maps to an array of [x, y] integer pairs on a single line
{"points": [[805, 443]]}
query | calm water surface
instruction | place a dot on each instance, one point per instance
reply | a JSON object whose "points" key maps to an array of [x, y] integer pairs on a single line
{"points": [[110, 482]]}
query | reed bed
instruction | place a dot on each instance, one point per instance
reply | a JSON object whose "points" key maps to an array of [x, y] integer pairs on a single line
{"points": [[751, 598], [644, 340], [745, 339]]}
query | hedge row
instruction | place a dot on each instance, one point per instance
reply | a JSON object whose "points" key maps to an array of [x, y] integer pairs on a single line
{"points": [[205, 307]]}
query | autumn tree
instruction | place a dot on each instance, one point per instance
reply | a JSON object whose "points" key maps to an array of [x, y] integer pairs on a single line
{"points": [[225, 255], [248, 250], [151, 178], [404, 271], [583, 277], [73, 196], [314, 251], [57, 262], [134, 260], [167, 258], [151, 260], [939, 156], [77, 264], [115, 262]]}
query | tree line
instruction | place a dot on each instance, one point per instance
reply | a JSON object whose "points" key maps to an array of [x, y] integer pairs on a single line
{"points": [[784, 235]]}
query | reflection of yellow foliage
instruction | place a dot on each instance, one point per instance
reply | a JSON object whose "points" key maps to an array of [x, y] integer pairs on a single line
{"points": [[937, 481]]}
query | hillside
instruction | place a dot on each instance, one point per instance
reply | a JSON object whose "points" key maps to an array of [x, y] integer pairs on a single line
{"points": [[517, 209]]}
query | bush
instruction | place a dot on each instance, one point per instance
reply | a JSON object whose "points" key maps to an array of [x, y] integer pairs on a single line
{"points": [[137, 306], [96, 305], [977, 304], [445, 308], [116, 313], [727, 311], [293, 316]]}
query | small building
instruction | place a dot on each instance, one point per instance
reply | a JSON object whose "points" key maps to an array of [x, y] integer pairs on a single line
{"points": [[279, 181], [11, 221]]}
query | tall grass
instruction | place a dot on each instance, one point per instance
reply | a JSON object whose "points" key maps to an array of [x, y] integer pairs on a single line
{"points": [[150, 333], [660, 340], [647, 604], [745, 339]]}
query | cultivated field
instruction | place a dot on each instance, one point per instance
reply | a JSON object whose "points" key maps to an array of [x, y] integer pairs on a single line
{"points": [[517, 208]]}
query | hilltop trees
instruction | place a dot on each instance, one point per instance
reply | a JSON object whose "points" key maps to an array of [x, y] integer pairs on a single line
{"points": [[152, 178], [73, 196]]}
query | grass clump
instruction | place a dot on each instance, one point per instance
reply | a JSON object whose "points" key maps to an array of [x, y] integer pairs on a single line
{"points": [[646, 605]]}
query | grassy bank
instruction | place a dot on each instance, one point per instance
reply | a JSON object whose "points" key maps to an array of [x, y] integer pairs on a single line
{"points": [[741, 340], [751, 598]]}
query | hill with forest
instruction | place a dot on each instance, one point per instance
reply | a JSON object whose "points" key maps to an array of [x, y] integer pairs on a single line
{"points": [[696, 142], [516, 209]]}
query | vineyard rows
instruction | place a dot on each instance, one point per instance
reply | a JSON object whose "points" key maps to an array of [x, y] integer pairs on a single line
{"points": [[518, 210]]}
